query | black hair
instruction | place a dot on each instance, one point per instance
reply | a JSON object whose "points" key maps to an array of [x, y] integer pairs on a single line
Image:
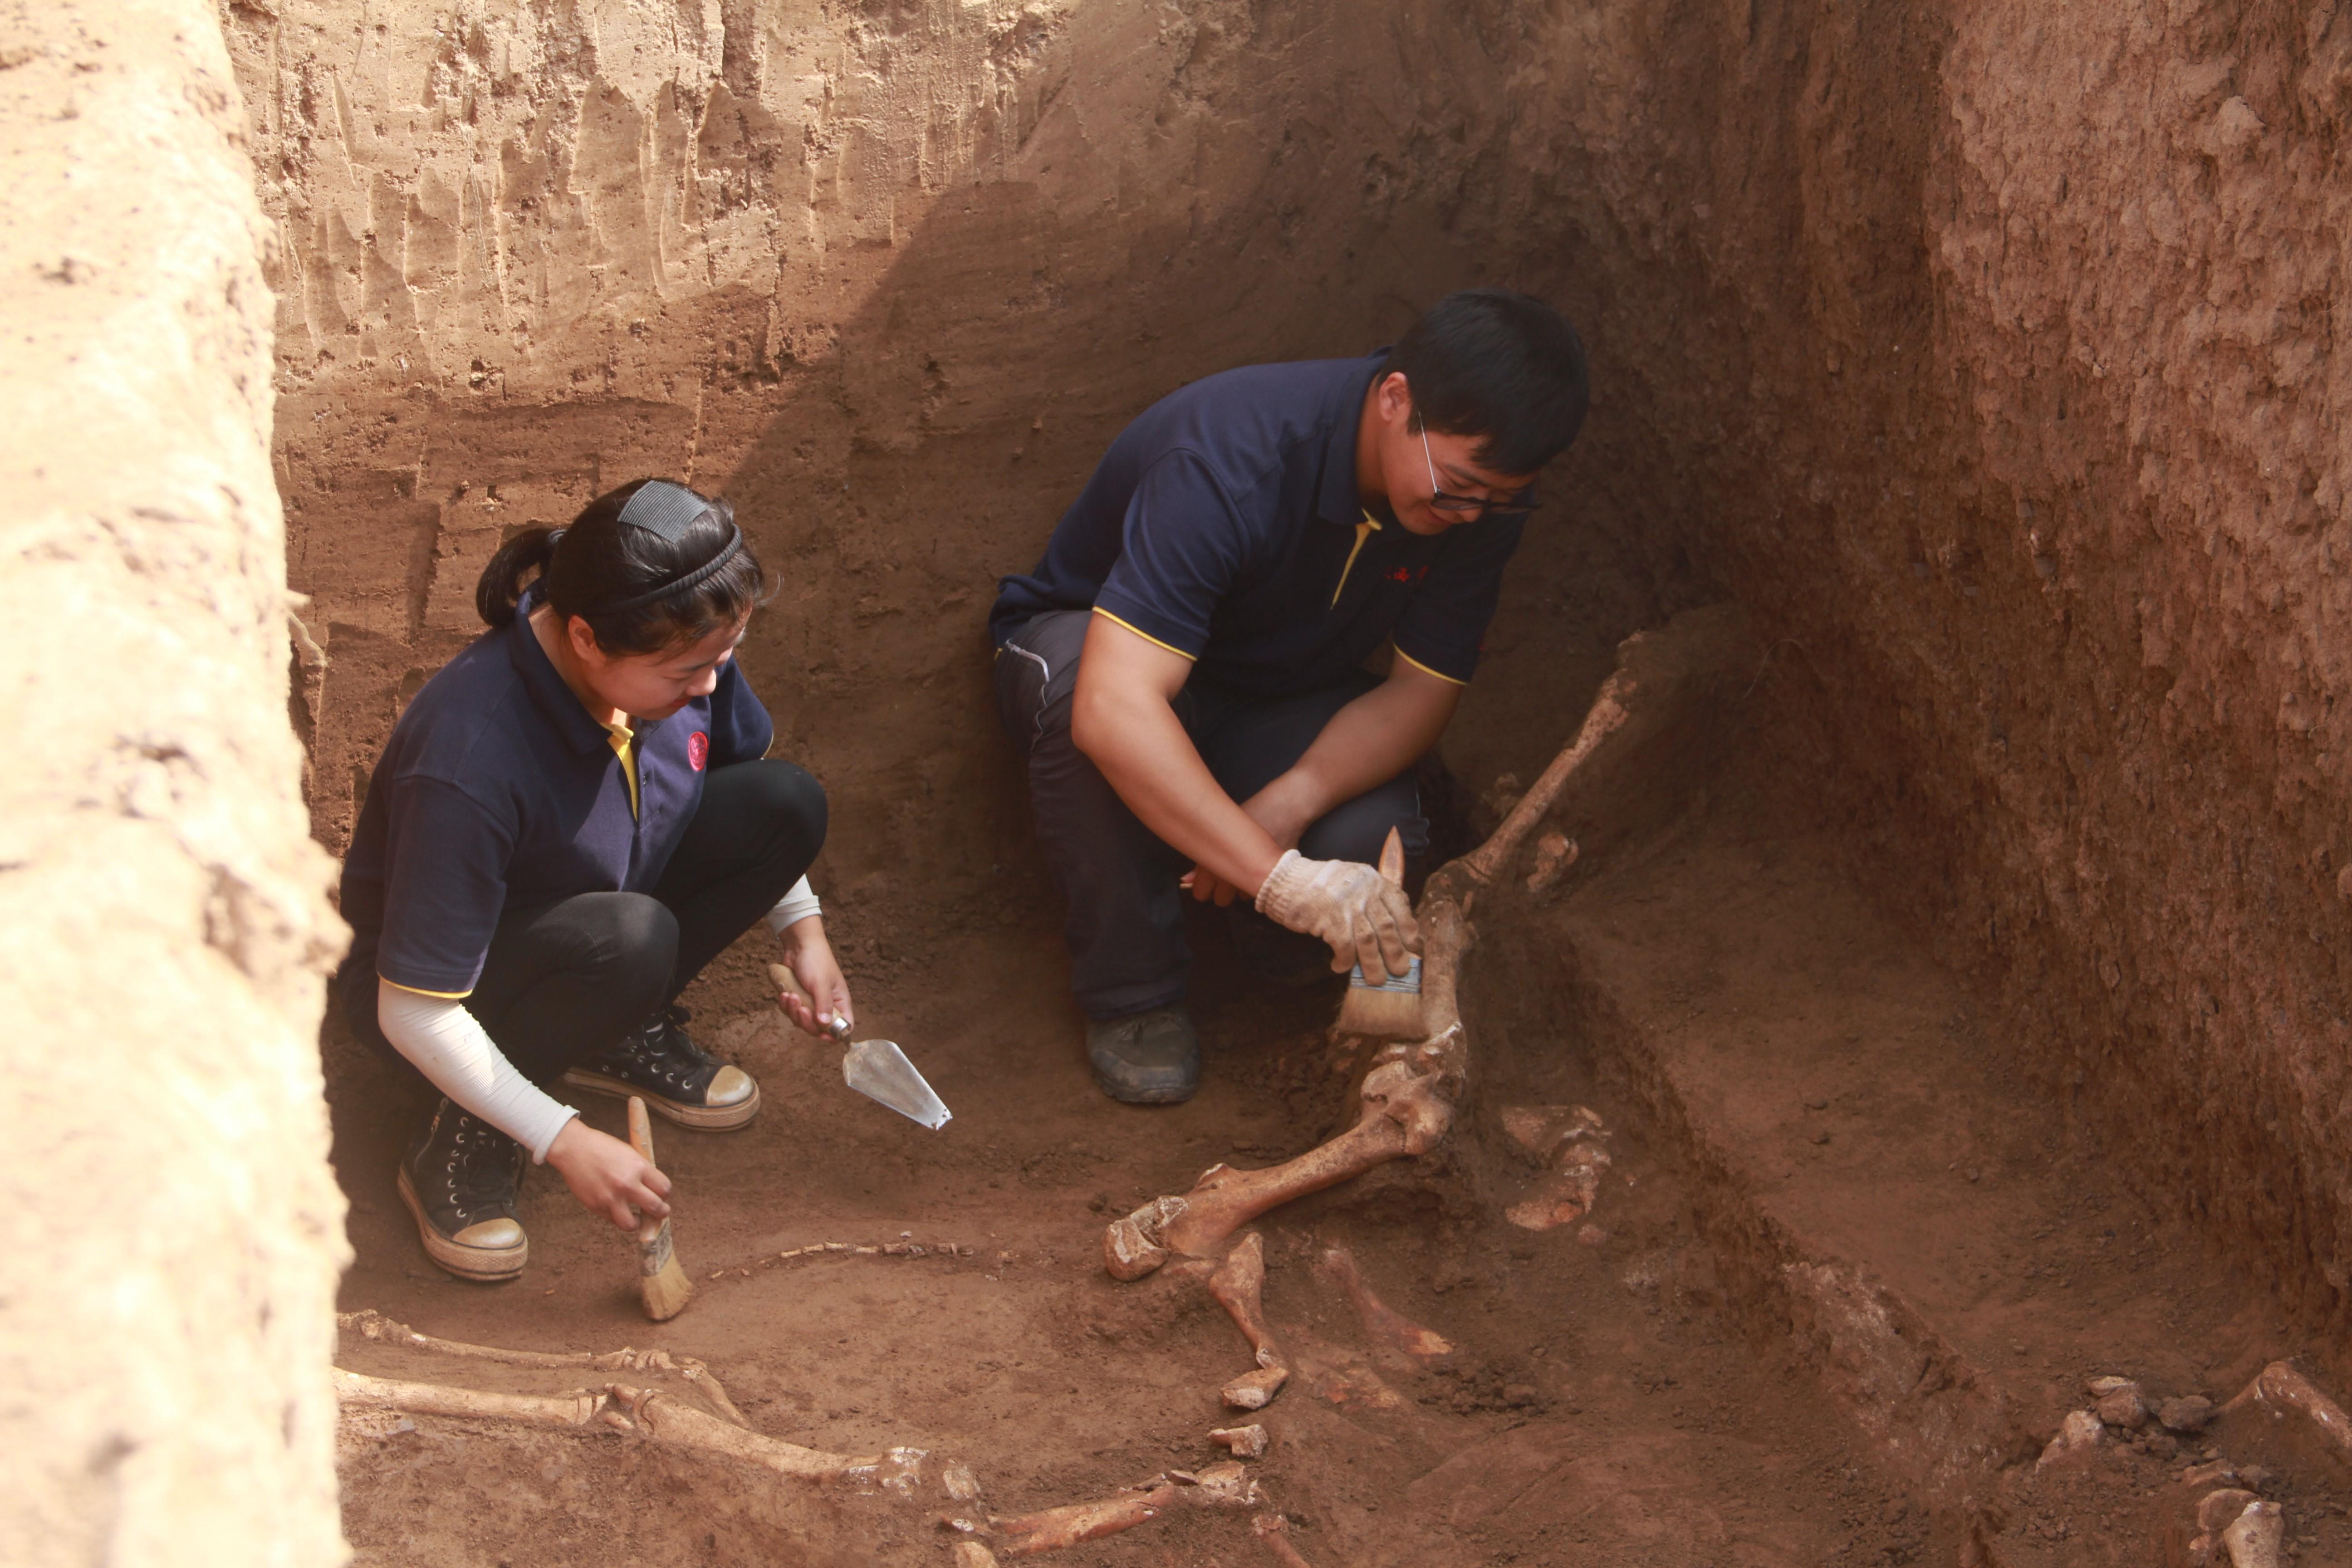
{"points": [[1499, 365], [603, 571]]}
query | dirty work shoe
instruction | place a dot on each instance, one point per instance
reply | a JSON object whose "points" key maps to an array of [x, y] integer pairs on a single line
{"points": [[677, 1078], [459, 1181], [1146, 1059]]}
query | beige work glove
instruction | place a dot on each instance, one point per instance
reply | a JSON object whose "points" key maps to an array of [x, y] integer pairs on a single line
{"points": [[1365, 918]]}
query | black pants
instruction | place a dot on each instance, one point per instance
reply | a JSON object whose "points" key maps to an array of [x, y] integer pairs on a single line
{"points": [[565, 980], [1126, 919]]}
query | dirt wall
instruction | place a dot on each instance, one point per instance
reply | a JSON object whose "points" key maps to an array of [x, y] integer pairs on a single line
{"points": [[1984, 351], [175, 1233]]}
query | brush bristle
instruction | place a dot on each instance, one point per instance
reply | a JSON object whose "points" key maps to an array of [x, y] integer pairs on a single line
{"points": [[1380, 1015], [665, 1287]]}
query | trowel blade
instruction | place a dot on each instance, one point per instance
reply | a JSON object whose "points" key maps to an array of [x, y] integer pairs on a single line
{"points": [[880, 1071]]}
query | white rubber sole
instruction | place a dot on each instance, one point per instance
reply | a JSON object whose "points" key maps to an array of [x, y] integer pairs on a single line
{"points": [[485, 1265], [702, 1118]]}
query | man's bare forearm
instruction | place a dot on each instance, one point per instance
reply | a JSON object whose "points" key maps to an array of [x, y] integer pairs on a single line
{"points": [[1363, 745]]}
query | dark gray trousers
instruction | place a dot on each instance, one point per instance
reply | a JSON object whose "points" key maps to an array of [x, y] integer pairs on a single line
{"points": [[1126, 918]]}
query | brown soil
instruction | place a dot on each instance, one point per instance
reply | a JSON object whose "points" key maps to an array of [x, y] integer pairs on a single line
{"points": [[1843, 1280]]}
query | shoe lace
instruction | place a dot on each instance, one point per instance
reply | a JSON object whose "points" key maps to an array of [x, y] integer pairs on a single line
{"points": [[482, 1165]]}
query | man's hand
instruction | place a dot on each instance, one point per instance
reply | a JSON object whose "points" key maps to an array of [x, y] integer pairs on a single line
{"points": [[823, 995], [1280, 810], [1364, 916], [606, 1176]]}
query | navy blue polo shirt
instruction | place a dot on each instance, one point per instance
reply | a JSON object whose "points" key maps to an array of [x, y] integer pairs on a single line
{"points": [[1224, 525], [499, 791]]}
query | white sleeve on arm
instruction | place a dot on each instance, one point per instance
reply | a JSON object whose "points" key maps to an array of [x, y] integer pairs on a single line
{"points": [[794, 908], [449, 1046]]}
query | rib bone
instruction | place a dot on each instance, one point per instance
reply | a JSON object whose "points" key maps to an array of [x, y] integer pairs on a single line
{"points": [[1663, 680], [1239, 1285], [1381, 1321], [371, 1324]]}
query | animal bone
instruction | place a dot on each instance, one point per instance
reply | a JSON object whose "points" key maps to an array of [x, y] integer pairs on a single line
{"points": [[1239, 1287], [1567, 1195], [1249, 1442], [2254, 1539], [2279, 1389], [972, 1555], [1222, 1485], [371, 1324], [1274, 1531], [1555, 853], [626, 1408], [2080, 1430], [1381, 1321], [1407, 1099]]}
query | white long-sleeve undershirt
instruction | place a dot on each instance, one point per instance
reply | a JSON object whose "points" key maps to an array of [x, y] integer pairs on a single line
{"points": [[448, 1045], [794, 907]]}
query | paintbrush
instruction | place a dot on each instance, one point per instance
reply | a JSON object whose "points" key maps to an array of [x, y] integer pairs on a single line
{"points": [[662, 1282], [1390, 1010]]}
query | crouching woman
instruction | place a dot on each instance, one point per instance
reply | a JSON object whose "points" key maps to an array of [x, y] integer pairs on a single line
{"points": [[570, 820]]}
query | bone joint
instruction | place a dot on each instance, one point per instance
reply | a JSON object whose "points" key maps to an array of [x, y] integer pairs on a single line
{"points": [[1239, 1287]]}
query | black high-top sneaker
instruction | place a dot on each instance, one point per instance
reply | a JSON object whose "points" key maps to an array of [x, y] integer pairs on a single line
{"points": [[677, 1078], [461, 1182]]}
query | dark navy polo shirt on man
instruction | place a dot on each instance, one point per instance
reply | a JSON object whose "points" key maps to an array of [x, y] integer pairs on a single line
{"points": [[499, 791], [1224, 525]]}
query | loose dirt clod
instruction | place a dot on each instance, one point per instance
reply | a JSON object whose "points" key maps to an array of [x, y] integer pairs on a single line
{"points": [[2079, 1431]]}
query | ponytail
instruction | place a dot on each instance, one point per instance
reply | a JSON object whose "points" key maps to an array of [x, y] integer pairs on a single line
{"points": [[500, 589], [677, 571]]}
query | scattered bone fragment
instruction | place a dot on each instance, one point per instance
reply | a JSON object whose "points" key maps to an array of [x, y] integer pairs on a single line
{"points": [[2189, 1414], [1540, 1129], [2218, 1509], [1593, 1236], [1273, 1531], [957, 1480], [1567, 1193], [371, 1324], [1383, 1321], [1249, 1442], [2253, 1540], [1224, 1484], [2119, 1402], [2282, 1391], [1239, 1287], [972, 1555], [1348, 1384], [1555, 853], [2212, 1472], [2079, 1431]]}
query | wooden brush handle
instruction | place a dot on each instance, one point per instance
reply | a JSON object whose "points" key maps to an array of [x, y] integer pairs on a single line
{"points": [[641, 1130], [1392, 860]]}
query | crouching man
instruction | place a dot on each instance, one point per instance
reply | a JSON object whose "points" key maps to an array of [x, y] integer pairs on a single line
{"points": [[1185, 667]]}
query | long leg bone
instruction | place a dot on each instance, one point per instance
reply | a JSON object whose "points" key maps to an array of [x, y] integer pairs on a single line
{"points": [[1663, 680], [1274, 1531], [1239, 1285], [371, 1324], [1222, 1485], [620, 1405], [1383, 1321]]}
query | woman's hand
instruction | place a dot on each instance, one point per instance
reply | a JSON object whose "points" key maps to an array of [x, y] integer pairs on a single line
{"points": [[823, 994], [607, 1177]]}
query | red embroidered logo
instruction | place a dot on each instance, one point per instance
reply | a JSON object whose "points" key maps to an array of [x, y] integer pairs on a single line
{"points": [[698, 750], [1407, 574]]}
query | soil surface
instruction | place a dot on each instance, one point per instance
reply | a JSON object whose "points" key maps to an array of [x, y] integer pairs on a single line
{"points": [[1841, 1282]]}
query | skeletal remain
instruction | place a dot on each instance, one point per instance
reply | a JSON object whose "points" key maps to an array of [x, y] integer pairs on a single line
{"points": [[2253, 1540], [1541, 1130], [2119, 1402], [1555, 853], [1249, 1442], [371, 1324], [1407, 1099], [645, 1411], [1274, 1531], [1565, 1195], [1383, 1321], [1224, 1484], [972, 1555], [2080, 1430], [2280, 1389], [1239, 1287], [2217, 1511]]}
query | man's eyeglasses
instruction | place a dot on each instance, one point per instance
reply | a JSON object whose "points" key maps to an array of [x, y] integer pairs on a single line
{"points": [[1519, 505]]}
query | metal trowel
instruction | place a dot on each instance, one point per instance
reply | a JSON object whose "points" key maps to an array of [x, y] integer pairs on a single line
{"points": [[879, 1070]]}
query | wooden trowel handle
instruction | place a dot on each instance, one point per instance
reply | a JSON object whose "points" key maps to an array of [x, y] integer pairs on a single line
{"points": [[641, 1130]]}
